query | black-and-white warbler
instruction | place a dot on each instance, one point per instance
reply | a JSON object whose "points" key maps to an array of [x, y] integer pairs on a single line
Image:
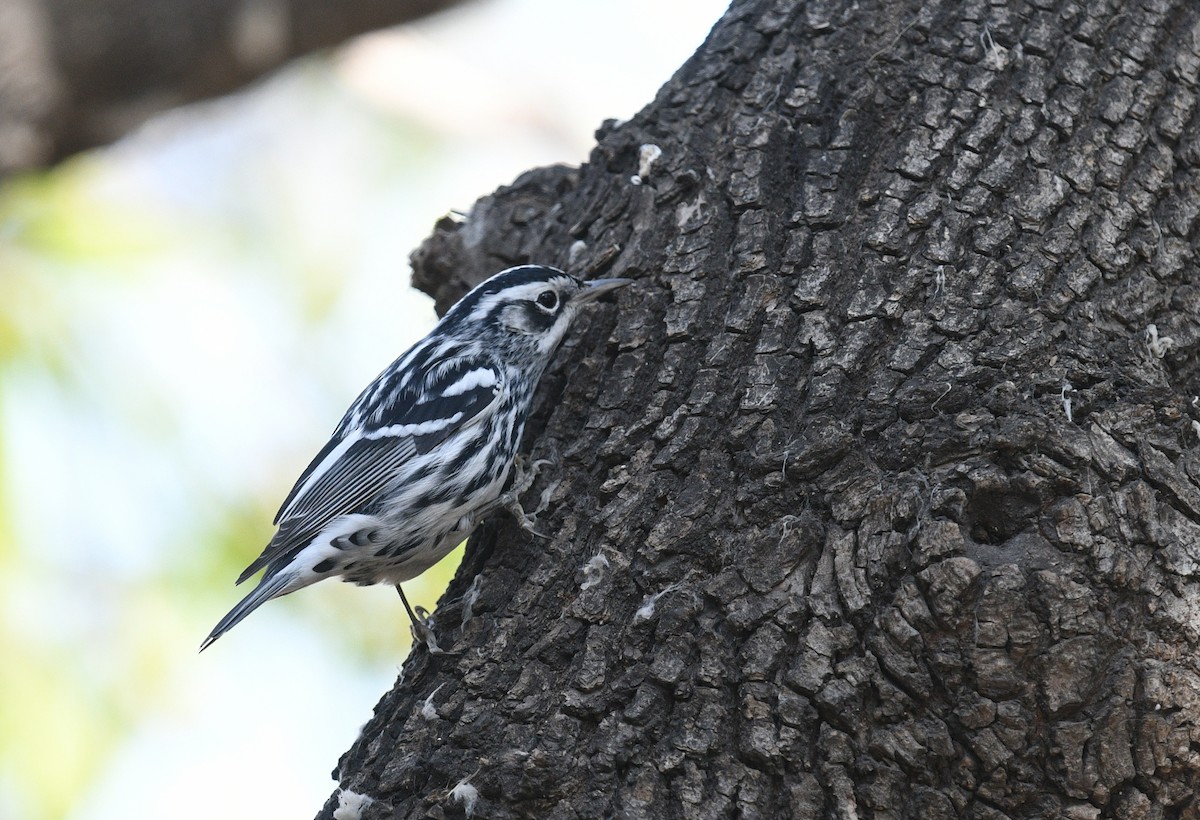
{"points": [[426, 450]]}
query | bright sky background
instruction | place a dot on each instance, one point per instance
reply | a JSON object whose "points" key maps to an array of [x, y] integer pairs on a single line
{"points": [[249, 278]]}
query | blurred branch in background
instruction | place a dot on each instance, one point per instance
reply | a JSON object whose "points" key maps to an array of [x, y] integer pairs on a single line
{"points": [[76, 75]]}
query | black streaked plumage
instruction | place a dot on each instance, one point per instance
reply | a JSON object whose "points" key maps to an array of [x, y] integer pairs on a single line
{"points": [[426, 449]]}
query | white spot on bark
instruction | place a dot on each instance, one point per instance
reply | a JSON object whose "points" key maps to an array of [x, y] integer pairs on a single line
{"points": [[996, 56], [466, 794], [648, 154], [427, 709], [593, 570], [1159, 345], [686, 210], [646, 611], [350, 805]]}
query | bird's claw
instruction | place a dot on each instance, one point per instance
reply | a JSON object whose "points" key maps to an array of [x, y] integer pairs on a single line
{"points": [[423, 634]]}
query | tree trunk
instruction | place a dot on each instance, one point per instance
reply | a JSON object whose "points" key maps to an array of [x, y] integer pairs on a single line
{"points": [[79, 73], [877, 494]]}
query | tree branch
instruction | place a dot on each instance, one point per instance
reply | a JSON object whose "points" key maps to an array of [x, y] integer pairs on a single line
{"points": [[74, 76]]}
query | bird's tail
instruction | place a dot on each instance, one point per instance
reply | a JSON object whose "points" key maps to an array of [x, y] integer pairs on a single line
{"points": [[271, 586]]}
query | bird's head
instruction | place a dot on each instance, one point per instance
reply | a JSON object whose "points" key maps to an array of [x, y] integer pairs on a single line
{"points": [[527, 307]]}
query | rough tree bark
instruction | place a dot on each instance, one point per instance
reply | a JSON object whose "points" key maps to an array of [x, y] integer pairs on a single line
{"points": [[75, 74], [877, 494]]}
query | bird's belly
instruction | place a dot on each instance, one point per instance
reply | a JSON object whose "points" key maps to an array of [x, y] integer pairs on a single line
{"points": [[412, 541]]}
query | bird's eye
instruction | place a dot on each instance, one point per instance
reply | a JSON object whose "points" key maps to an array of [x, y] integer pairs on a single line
{"points": [[548, 299]]}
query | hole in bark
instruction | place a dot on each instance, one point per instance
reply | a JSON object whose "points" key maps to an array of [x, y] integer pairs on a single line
{"points": [[994, 516]]}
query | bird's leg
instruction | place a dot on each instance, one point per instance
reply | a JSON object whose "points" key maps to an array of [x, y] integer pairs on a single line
{"points": [[422, 634], [522, 479]]}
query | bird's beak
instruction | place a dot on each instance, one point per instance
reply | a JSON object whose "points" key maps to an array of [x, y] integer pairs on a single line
{"points": [[598, 287]]}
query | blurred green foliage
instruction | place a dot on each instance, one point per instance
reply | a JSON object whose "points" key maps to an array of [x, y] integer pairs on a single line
{"points": [[94, 638]]}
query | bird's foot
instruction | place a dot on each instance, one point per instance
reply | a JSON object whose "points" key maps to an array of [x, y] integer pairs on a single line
{"points": [[423, 634], [421, 631]]}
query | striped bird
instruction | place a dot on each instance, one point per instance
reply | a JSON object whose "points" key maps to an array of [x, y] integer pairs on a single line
{"points": [[427, 449]]}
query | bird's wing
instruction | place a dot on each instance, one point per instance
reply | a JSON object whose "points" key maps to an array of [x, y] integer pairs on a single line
{"points": [[359, 464]]}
